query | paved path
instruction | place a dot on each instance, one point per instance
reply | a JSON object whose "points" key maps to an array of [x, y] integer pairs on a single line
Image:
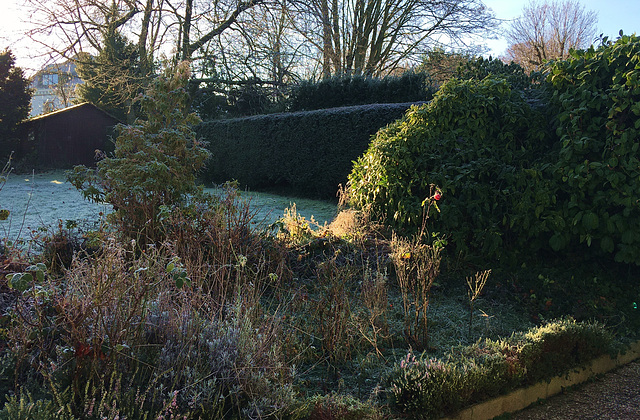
{"points": [[614, 396]]}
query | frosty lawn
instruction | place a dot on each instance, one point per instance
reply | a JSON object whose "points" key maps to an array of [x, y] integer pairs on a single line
{"points": [[41, 200]]}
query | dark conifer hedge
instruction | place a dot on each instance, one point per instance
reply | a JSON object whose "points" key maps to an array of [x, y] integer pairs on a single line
{"points": [[304, 153]]}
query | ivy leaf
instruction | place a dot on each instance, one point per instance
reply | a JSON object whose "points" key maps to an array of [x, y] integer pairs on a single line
{"points": [[121, 347], [20, 281], [607, 244], [556, 242], [590, 221]]}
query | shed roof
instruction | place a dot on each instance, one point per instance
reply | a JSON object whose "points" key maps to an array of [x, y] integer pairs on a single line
{"points": [[69, 109]]}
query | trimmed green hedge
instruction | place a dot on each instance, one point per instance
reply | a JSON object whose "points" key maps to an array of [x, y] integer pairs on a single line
{"points": [[304, 153], [430, 388], [349, 90]]}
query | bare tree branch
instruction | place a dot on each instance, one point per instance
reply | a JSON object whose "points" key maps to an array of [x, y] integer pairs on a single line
{"points": [[548, 31], [376, 36]]}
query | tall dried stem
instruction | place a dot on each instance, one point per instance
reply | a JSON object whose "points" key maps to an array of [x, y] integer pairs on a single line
{"points": [[475, 285], [417, 266], [375, 299]]}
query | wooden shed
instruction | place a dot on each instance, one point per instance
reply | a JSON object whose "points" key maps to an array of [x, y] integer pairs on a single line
{"points": [[67, 137]]}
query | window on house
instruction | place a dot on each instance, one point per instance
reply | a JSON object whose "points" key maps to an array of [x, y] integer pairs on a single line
{"points": [[49, 79]]}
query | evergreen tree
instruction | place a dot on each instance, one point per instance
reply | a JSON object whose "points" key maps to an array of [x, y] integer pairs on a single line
{"points": [[15, 101], [155, 162], [113, 78]]}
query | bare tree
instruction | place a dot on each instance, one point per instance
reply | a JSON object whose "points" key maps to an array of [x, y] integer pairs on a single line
{"points": [[269, 41], [170, 28], [548, 31], [377, 36], [261, 46], [158, 31]]}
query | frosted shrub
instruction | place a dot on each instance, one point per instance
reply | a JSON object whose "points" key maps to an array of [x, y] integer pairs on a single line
{"points": [[431, 388], [155, 160], [229, 365]]}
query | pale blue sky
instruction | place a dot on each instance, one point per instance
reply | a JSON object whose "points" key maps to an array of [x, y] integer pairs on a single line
{"points": [[613, 15]]}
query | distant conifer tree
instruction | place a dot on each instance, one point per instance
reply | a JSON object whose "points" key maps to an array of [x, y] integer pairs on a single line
{"points": [[113, 78], [15, 101]]}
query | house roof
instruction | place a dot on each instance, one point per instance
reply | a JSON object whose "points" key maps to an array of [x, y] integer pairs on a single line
{"points": [[68, 109]]}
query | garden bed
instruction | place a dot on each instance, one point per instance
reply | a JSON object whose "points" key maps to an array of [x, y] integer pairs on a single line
{"points": [[331, 304]]}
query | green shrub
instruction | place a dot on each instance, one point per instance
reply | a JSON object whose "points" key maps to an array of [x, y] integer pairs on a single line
{"points": [[214, 100], [7, 365], [479, 142], [4, 175], [560, 346], [348, 90], [442, 65], [24, 407], [481, 67], [421, 388], [512, 176], [597, 173], [433, 388], [305, 153], [425, 388], [155, 161], [15, 103], [337, 407]]}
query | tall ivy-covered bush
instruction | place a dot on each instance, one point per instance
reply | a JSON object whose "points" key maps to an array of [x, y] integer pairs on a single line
{"points": [[478, 141], [155, 160], [505, 178], [597, 174]]}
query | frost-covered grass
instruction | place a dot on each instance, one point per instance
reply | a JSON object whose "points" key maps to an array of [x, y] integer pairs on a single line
{"points": [[41, 200], [270, 207]]}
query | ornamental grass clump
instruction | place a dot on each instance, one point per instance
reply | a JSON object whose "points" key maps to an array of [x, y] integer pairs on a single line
{"points": [[333, 310], [223, 251], [373, 324]]}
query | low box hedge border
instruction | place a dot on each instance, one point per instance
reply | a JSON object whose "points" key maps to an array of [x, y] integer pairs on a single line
{"points": [[524, 397], [469, 375]]}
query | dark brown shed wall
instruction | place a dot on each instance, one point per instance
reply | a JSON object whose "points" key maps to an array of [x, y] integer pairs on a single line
{"points": [[70, 138]]}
